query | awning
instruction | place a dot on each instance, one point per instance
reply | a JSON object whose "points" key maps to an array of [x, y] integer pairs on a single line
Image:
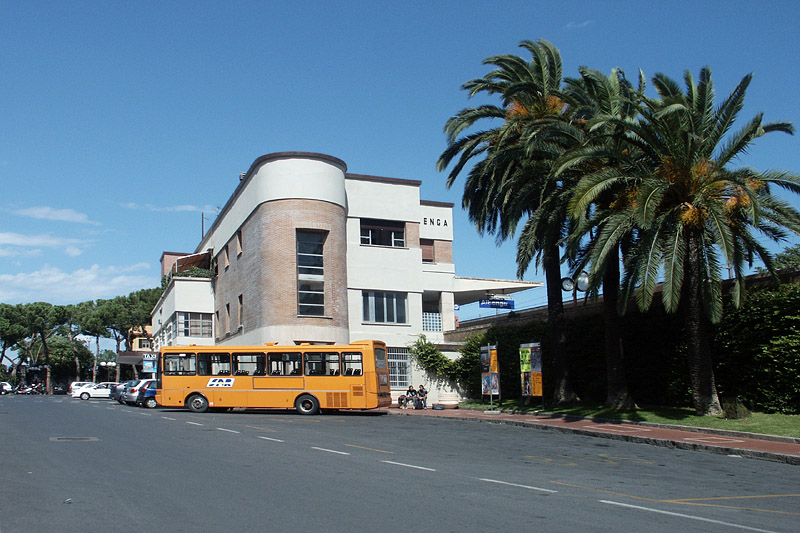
{"points": [[132, 358]]}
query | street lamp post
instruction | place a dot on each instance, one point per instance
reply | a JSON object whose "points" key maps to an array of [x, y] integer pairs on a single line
{"points": [[108, 366]]}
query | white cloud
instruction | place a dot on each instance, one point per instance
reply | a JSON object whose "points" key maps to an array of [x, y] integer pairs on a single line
{"points": [[61, 215], [578, 25], [19, 252], [172, 208], [72, 247], [51, 284]]}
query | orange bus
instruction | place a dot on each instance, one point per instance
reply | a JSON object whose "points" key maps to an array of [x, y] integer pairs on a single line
{"points": [[304, 377]]}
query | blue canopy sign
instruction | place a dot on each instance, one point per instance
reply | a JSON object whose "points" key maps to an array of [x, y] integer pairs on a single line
{"points": [[497, 303]]}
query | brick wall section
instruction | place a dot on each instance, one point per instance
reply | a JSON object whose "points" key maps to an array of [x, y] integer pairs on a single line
{"points": [[266, 271], [443, 251]]}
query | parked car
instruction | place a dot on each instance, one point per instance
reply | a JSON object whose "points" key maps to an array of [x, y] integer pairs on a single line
{"points": [[5, 387], [77, 385], [132, 391], [101, 390], [147, 395], [118, 389], [59, 388]]}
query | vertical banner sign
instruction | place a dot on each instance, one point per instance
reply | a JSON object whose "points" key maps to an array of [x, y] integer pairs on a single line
{"points": [[530, 367], [490, 373]]}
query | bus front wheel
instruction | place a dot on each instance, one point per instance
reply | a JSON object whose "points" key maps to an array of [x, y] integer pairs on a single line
{"points": [[307, 405], [197, 403]]}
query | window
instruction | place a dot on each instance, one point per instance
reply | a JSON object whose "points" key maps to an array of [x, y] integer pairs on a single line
{"points": [[227, 318], [239, 248], [427, 250], [240, 317], [398, 367], [310, 273], [322, 364], [226, 259], [284, 364], [352, 363], [384, 307], [145, 344], [194, 324], [383, 233], [213, 364], [179, 364], [249, 364]]}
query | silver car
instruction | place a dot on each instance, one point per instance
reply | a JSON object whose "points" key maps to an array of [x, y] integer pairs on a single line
{"points": [[131, 392]]}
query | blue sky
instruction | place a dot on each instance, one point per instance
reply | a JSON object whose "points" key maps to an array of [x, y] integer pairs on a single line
{"points": [[121, 122]]}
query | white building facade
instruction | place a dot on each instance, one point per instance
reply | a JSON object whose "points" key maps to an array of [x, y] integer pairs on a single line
{"points": [[304, 251]]}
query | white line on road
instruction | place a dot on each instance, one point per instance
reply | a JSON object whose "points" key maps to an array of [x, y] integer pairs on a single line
{"points": [[409, 466], [268, 438], [167, 418], [516, 485], [330, 451], [228, 430], [194, 423], [679, 515]]}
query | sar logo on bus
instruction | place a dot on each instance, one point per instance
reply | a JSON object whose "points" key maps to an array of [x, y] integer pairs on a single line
{"points": [[220, 382]]}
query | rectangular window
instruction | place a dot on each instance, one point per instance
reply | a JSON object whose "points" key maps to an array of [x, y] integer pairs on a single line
{"points": [[384, 307], [352, 363], [240, 316], [227, 318], [239, 248], [194, 324], [322, 364], [249, 364], [284, 364], [399, 367], [310, 273], [213, 364], [383, 233], [226, 258], [427, 250], [178, 364]]}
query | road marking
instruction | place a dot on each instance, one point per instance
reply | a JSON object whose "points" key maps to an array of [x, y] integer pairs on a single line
{"points": [[262, 429], [167, 418], [194, 423], [690, 517], [329, 451], [617, 428], [712, 440], [228, 430], [268, 438], [516, 485], [409, 466], [368, 449]]}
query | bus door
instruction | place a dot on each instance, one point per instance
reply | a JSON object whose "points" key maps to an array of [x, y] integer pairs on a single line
{"points": [[283, 381], [353, 372]]}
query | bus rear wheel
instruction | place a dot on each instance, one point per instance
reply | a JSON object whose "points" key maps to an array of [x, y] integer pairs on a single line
{"points": [[197, 403], [307, 405]]}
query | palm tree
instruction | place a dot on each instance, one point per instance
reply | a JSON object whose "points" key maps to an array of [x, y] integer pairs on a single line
{"points": [[597, 98], [691, 213], [512, 163]]}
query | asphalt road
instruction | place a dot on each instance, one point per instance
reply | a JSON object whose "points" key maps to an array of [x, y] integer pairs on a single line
{"points": [[72, 465]]}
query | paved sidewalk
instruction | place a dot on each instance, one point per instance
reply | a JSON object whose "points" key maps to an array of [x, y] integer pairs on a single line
{"points": [[771, 448]]}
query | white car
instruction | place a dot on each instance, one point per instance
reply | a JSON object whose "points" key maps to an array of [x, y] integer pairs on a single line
{"points": [[75, 385], [5, 387], [101, 390]]}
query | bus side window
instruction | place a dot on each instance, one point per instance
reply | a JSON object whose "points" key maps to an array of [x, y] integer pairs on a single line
{"points": [[245, 364], [203, 364], [332, 363], [221, 364], [353, 365]]}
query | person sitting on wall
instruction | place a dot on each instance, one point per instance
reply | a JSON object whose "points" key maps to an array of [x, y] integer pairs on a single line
{"points": [[422, 398], [407, 398]]}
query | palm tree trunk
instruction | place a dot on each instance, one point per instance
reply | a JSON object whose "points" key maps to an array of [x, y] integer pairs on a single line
{"points": [[701, 370], [563, 392], [617, 395]]}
